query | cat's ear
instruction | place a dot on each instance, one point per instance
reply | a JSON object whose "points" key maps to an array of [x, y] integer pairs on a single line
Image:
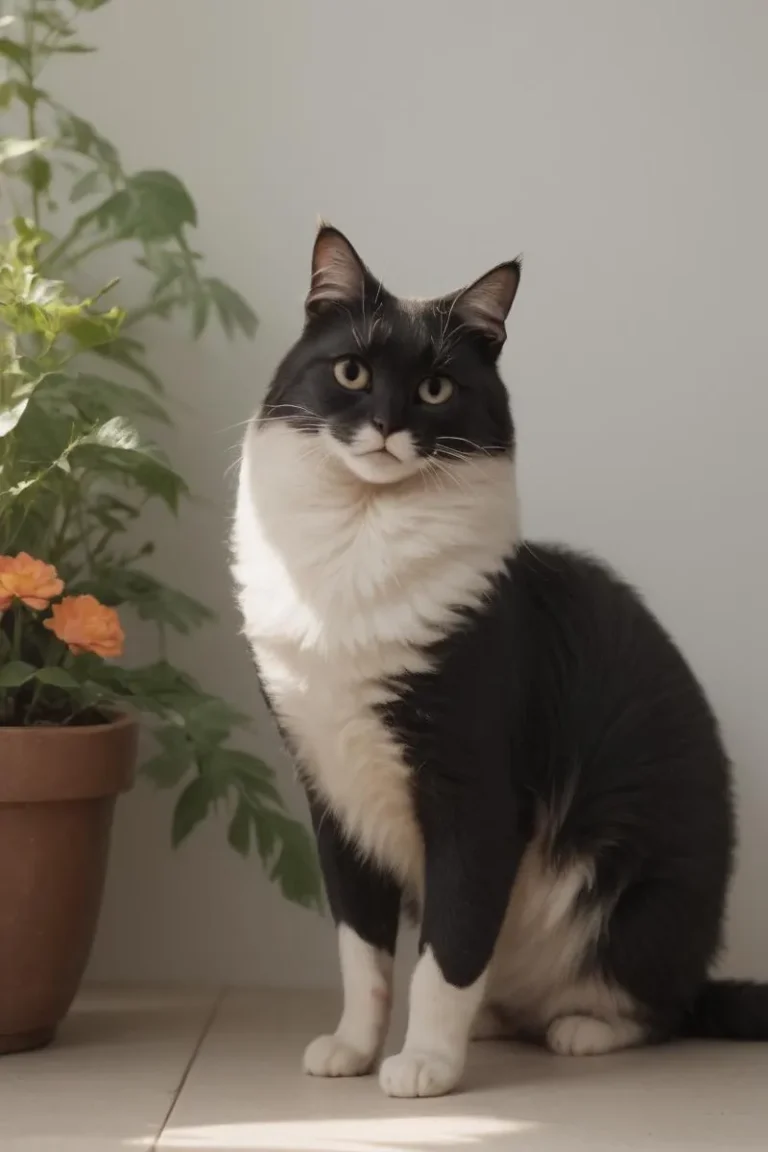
{"points": [[484, 305], [338, 274]]}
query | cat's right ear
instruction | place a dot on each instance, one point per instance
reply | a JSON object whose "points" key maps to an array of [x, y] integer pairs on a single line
{"points": [[338, 274]]}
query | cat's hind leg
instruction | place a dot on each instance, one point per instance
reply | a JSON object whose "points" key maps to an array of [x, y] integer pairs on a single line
{"points": [[590, 1036]]}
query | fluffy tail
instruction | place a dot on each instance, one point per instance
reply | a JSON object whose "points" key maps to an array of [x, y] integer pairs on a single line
{"points": [[729, 1010]]}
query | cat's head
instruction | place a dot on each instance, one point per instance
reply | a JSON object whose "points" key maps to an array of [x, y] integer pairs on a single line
{"points": [[394, 387]]}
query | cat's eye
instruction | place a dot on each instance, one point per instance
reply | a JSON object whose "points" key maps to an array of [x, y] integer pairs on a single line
{"points": [[436, 390], [351, 373]]}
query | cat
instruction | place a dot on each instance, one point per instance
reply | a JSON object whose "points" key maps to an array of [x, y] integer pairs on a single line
{"points": [[497, 732]]}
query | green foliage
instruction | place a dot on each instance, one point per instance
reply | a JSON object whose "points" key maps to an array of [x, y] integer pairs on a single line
{"points": [[77, 464]]}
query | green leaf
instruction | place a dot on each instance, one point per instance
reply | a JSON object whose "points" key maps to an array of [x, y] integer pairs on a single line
{"points": [[150, 597], [153, 205], [128, 354], [191, 809], [295, 868], [94, 330], [28, 93], [166, 770], [80, 136], [89, 5], [201, 308], [46, 441], [12, 148], [9, 417], [37, 173], [253, 776], [29, 237], [133, 466], [57, 678], [232, 309], [73, 48], [12, 50], [51, 19], [210, 720], [87, 185], [164, 200], [15, 674], [96, 399], [266, 834], [239, 832]]}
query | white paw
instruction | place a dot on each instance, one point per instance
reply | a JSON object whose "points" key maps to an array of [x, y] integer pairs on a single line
{"points": [[419, 1074], [332, 1056], [581, 1036]]}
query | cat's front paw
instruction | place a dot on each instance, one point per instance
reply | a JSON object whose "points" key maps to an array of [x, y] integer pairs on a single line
{"points": [[413, 1074], [333, 1056]]}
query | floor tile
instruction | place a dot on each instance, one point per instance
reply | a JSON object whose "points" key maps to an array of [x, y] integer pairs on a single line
{"points": [[246, 1092], [109, 1080]]}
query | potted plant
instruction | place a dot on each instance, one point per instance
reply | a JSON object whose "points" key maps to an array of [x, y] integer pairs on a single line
{"points": [[63, 760], [77, 468]]}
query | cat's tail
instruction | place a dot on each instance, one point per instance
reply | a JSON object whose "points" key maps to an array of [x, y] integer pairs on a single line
{"points": [[729, 1010]]}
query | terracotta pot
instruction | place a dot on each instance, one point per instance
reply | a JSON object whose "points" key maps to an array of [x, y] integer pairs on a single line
{"points": [[58, 788]]}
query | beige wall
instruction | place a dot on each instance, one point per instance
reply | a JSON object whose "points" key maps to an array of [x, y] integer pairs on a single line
{"points": [[621, 146]]}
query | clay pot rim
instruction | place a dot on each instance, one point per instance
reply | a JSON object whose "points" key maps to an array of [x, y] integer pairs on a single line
{"points": [[49, 731], [50, 764]]}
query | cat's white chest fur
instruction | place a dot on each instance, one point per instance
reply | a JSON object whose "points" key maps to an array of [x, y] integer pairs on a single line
{"points": [[342, 587]]}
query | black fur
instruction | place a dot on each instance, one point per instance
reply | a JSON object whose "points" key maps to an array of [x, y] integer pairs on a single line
{"points": [[561, 704], [565, 697], [403, 345], [358, 892], [729, 1010]]}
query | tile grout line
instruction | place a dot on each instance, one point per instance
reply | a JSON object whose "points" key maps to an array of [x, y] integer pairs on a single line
{"points": [[204, 1031]]}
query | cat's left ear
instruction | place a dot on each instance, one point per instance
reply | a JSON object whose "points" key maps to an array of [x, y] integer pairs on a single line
{"points": [[485, 304]]}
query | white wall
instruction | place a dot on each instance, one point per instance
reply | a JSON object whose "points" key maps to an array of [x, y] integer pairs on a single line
{"points": [[621, 146]]}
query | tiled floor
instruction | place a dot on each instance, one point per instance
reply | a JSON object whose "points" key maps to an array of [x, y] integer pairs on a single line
{"points": [[138, 1070]]}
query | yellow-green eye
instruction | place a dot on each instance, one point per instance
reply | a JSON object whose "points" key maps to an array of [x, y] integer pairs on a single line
{"points": [[436, 390], [351, 373]]}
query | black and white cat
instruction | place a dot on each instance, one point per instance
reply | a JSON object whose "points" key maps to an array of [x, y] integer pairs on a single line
{"points": [[497, 732]]}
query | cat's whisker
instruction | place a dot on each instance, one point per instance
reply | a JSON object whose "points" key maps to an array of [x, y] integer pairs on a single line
{"points": [[231, 467], [234, 427], [488, 450], [433, 474], [460, 457], [446, 471], [295, 407]]}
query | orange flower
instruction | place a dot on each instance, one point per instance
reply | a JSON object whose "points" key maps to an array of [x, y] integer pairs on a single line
{"points": [[32, 581], [85, 625]]}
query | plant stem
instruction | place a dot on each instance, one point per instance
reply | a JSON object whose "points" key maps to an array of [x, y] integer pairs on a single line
{"points": [[34, 701], [151, 309], [84, 533], [32, 102], [55, 255], [77, 257], [16, 643]]}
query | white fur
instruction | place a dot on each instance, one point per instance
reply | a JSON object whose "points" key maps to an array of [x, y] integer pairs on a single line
{"points": [[588, 1036], [366, 974], [536, 973], [342, 584], [543, 940], [439, 1021], [376, 458]]}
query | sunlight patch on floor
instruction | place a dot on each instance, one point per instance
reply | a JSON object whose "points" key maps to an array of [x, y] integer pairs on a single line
{"points": [[373, 1134]]}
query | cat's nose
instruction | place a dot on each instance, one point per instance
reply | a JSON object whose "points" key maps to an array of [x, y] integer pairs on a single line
{"points": [[381, 425]]}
